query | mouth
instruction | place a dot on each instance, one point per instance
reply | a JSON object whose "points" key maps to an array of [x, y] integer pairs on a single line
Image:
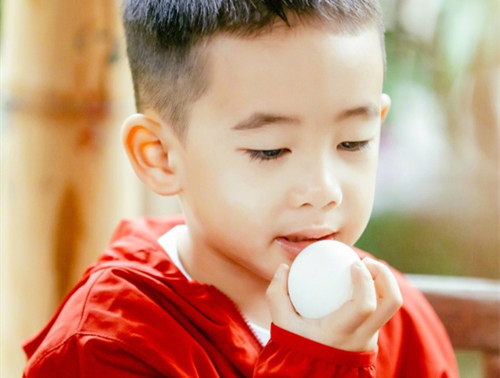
{"points": [[293, 244]]}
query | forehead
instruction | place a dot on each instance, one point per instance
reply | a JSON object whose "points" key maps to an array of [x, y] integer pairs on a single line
{"points": [[291, 70], [279, 39]]}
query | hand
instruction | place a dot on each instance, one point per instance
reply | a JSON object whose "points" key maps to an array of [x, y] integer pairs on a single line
{"points": [[355, 325]]}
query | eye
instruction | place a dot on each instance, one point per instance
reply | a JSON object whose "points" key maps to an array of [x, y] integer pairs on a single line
{"points": [[265, 155], [354, 146]]}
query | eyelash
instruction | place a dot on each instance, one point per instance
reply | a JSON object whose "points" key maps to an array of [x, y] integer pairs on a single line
{"points": [[354, 146], [267, 155]]}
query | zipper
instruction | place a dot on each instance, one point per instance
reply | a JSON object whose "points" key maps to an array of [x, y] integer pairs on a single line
{"points": [[243, 319]]}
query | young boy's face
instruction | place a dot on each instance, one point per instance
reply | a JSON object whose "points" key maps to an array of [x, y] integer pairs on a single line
{"points": [[281, 150]]}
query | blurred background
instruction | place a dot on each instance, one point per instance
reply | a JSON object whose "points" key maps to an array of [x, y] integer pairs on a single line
{"points": [[65, 183]]}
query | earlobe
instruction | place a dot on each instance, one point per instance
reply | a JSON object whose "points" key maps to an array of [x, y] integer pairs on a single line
{"points": [[386, 104], [151, 153]]}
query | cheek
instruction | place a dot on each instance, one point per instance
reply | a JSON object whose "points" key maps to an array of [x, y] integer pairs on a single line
{"points": [[224, 187], [359, 198], [365, 190], [247, 198]]}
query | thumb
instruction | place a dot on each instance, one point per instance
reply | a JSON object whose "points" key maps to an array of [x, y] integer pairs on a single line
{"points": [[277, 297]]}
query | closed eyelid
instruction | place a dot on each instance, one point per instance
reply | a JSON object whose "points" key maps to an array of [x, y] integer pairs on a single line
{"points": [[355, 146], [266, 155]]}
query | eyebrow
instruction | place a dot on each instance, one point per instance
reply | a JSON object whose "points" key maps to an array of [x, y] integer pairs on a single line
{"points": [[365, 111], [258, 120]]}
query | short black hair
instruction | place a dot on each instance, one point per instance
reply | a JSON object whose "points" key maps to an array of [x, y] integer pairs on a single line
{"points": [[163, 37]]}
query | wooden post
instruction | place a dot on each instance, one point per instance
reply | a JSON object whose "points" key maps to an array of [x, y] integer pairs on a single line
{"points": [[491, 365], [65, 89], [470, 311]]}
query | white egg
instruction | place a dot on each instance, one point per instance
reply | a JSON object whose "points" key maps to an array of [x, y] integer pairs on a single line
{"points": [[320, 280]]}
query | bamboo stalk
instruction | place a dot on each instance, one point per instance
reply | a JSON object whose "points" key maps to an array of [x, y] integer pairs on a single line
{"points": [[64, 94]]}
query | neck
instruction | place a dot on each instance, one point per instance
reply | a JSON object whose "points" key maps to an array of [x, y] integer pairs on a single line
{"points": [[245, 289]]}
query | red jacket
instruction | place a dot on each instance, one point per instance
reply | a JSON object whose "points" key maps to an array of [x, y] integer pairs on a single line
{"points": [[134, 314]]}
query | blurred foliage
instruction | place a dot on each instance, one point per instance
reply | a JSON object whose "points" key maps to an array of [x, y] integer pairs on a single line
{"points": [[443, 46], [463, 34], [470, 364], [417, 244]]}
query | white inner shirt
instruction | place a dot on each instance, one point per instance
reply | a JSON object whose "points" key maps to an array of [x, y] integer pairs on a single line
{"points": [[169, 242]]}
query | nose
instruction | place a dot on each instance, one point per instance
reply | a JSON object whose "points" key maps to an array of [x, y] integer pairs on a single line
{"points": [[319, 186]]}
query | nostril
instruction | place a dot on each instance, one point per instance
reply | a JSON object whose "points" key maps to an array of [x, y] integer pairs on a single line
{"points": [[320, 203], [306, 204], [330, 205], [324, 194]]}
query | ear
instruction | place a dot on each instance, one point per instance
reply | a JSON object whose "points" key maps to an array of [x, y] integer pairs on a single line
{"points": [[153, 152], [386, 104]]}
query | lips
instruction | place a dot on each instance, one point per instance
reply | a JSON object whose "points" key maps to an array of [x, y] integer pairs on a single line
{"points": [[294, 243]]}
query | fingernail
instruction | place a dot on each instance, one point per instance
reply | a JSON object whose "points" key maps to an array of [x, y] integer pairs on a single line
{"points": [[358, 264], [279, 272]]}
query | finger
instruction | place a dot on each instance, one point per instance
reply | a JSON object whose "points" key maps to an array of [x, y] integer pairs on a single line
{"points": [[364, 299], [389, 298], [277, 297]]}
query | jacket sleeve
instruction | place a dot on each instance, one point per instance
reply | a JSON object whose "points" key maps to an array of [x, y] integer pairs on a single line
{"points": [[291, 355], [88, 356], [414, 343]]}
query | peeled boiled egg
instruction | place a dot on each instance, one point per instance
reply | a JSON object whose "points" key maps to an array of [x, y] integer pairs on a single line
{"points": [[319, 281]]}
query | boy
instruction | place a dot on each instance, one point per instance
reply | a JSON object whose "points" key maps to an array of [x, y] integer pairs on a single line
{"points": [[264, 118]]}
